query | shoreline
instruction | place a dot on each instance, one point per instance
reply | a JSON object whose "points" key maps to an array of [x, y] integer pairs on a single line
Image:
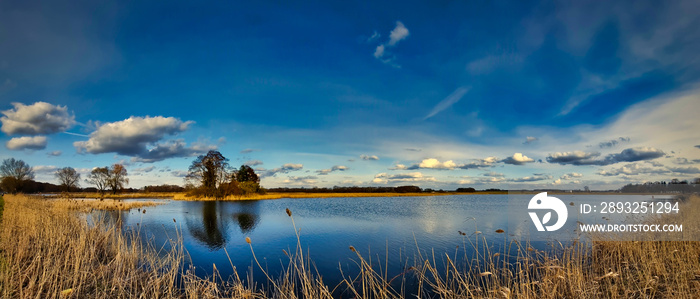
{"points": [[281, 195]]}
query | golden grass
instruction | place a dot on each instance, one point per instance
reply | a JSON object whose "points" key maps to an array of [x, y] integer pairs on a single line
{"points": [[116, 196], [49, 252], [86, 205]]}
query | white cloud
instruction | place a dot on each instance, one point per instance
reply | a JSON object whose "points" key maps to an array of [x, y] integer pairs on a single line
{"points": [[286, 168], [414, 177], [432, 163], [138, 137], [571, 175], [369, 157], [399, 33], [172, 149], [36, 119], [253, 163], [44, 169], [447, 102], [530, 139], [304, 180], [517, 159], [375, 36], [332, 169], [54, 153], [435, 164], [379, 52], [26, 143]]}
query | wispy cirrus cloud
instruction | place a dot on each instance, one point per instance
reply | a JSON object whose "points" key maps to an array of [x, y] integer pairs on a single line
{"points": [[447, 102]]}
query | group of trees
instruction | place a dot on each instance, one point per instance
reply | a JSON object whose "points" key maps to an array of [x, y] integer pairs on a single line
{"points": [[110, 177], [211, 175], [17, 176]]}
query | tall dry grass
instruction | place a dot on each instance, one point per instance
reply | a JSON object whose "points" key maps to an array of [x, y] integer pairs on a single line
{"points": [[48, 252]]}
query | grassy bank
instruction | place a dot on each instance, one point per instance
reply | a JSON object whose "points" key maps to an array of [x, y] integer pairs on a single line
{"points": [[49, 252], [108, 195]]}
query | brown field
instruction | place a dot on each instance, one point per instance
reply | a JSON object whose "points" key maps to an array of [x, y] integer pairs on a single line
{"points": [[48, 252]]}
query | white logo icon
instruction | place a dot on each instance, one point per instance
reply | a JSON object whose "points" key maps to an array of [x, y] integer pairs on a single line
{"points": [[543, 202]]}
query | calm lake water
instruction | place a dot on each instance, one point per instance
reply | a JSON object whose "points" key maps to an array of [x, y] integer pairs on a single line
{"points": [[329, 226]]}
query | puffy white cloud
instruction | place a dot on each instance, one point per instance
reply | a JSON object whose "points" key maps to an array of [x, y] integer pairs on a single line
{"points": [[432, 163], [435, 164], [575, 157], [517, 159], [26, 143], [369, 157], [399, 33], [138, 137], [36, 119], [332, 169], [571, 175], [479, 163], [379, 52]]}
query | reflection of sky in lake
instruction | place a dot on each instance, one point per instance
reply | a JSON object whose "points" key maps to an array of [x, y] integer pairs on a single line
{"points": [[328, 226]]}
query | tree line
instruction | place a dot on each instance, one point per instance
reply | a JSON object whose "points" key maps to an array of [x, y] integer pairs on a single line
{"points": [[17, 176]]}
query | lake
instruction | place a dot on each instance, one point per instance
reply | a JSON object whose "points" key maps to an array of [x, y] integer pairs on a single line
{"points": [[328, 226]]}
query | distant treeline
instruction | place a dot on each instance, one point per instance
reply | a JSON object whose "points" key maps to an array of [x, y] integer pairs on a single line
{"points": [[674, 186], [32, 186], [356, 189]]}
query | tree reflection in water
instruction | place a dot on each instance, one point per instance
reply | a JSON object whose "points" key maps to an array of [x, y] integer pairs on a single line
{"points": [[247, 216], [211, 229]]}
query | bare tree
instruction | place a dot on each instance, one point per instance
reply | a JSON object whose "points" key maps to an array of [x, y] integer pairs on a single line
{"points": [[68, 178], [100, 177], [209, 171], [118, 178], [14, 174]]}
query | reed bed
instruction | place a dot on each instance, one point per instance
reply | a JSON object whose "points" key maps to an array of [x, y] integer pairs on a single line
{"points": [[49, 252], [86, 205]]}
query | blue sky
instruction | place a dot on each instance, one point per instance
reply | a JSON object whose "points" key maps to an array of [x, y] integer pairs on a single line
{"points": [[489, 94]]}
